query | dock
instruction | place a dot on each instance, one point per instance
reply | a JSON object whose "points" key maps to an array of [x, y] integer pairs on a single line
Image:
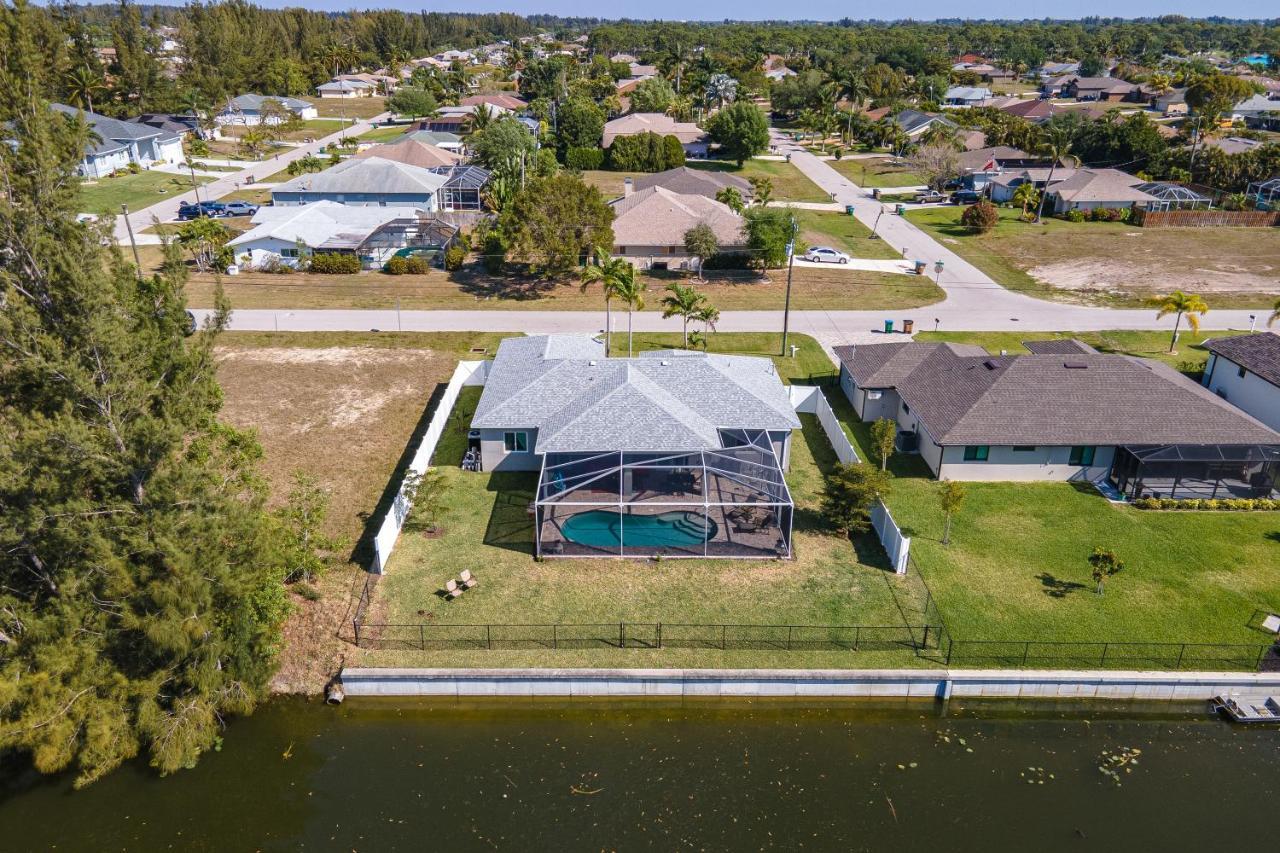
{"points": [[1246, 708]]}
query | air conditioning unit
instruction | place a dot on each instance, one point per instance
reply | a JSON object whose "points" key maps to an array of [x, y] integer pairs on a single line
{"points": [[873, 395]]}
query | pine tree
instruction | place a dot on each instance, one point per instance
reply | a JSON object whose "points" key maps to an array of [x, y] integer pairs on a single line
{"points": [[140, 584]]}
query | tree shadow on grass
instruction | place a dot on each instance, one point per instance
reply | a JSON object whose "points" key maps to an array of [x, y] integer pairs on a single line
{"points": [[1056, 587], [510, 525], [514, 286]]}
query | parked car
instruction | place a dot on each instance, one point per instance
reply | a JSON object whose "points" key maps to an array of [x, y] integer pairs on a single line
{"points": [[241, 208], [966, 197], [930, 197], [205, 208], [825, 255]]}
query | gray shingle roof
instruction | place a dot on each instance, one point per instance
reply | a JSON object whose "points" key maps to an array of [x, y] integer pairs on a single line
{"points": [[1055, 399], [1258, 353], [578, 400], [254, 102], [366, 175], [887, 365], [688, 181], [114, 134]]}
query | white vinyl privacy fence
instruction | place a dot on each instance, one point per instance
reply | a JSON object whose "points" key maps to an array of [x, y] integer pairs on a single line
{"points": [[466, 373], [809, 400]]}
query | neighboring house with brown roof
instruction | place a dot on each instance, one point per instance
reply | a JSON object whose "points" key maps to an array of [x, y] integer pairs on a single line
{"points": [[649, 227], [500, 99], [1245, 371], [1034, 111], [1088, 189], [412, 152], [1098, 89], [1064, 412], [693, 138], [686, 181]]}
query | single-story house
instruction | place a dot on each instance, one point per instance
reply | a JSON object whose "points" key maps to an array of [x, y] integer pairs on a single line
{"points": [[1064, 412], [915, 122], [345, 89], [649, 227], [982, 165], [1231, 144], [502, 100], [1245, 371], [1034, 111], [775, 67], [1098, 89], [374, 234], [672, 452], [686, 181], [247, 109], [455, 119], [440, 139], [177, 123], [448, 57], [412, 152], [119, 143], [1088, 189], [966, 96], [1171, 103], [693, 138], [1261, 112], [1058, 69], [364, 181], [1003, 185]]}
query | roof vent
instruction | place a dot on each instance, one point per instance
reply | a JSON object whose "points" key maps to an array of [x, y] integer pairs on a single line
{"points": [[1075, 365], [665, 363], [989, 364], [592, 363]]}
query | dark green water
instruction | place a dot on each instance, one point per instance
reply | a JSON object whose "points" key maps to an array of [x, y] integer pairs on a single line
{"points": [[405, 775]]}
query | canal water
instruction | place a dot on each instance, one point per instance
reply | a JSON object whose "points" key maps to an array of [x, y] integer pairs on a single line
{"points": [[379, 775]]}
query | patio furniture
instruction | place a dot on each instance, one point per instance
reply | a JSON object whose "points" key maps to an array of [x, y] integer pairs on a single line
{"points": [[466, 580], [452, 590]]}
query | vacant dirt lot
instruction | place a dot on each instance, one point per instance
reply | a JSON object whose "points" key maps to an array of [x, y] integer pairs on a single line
{"points": [[342, 408]]}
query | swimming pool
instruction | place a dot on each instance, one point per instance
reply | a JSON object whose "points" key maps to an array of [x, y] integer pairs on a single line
{"points": [[604, 528]]}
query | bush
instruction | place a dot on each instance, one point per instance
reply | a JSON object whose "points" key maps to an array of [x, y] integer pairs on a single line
{"points": [[454, 257], [584, 159], [331, 263], [396, 266], [980, 217], [134, 168], [1213, 504], [1074, 216], [495, 253], [417, 266], [728, 261]]}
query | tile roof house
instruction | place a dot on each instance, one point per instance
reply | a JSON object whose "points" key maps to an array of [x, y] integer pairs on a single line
{"points": [[649, 227], [412, 152], [966, 96], [1087, 189], [693, 138], [686, 181], [367, 181], [283, 234], [673, 451], [501, 99], [1064, 412], [1034, 111], [118, 143], [247, 109], [1245, 371]]}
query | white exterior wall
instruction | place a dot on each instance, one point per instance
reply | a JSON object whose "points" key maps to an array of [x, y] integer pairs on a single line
{"points": [[171, 151], [1251, 392], [494, 455], [1006, 464], [99, 166], [263, 251]]}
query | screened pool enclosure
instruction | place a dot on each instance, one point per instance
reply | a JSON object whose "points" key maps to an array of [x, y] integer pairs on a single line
{"points": [[729, 502], [1197, 471]]}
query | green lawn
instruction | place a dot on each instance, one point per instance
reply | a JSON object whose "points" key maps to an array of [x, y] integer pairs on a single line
{"points": [[352, 108], [789, 183], [1114, 263], [1017, 566], [842, 232], [386, 133], [310, 129], [138, 191], [873, 172], [1189, 357]]}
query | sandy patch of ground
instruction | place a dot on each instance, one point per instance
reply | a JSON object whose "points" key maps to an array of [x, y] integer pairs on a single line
{"points": [[1117, 276]]}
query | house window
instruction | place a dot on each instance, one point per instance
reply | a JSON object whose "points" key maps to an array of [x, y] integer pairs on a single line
{"points": [[1024, 448], [906, 409], [1082, 455], [288, 253], [976, 453], [1241, 372], [515, 442]]}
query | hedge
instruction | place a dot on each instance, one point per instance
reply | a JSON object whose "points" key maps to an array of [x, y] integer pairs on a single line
{"points": [[1228, 504], [334, 264], [584, 159]]}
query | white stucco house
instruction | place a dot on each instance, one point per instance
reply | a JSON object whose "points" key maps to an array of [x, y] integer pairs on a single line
{"points": [[1245, 371], [117, 143], [1063, 412], [247, 109]]}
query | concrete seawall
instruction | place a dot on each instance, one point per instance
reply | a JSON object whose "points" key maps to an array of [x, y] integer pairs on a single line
{"points": [[921, 683]]}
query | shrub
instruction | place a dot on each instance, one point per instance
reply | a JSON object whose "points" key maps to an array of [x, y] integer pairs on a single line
{"points": [[453, 258], [1209, 504], [396, 266], [134, 168], [276, 265], [728, 261], [495, 253], [1074, 216], [980, 217], [331, 263], [414, 265], [584, 159]]}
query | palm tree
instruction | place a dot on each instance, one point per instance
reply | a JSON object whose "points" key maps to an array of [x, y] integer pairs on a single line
{"points": [[1275, 314], [631, 291], [720, 88], [683, 302], [82, 84], [612, 273], [708, 316], [1180, 303], [851, 86], [1025, 195], [941, 134], [1056, 145], [481, 117]]}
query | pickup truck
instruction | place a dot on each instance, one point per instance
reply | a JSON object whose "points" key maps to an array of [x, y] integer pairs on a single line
{"points": [[930, 197]]}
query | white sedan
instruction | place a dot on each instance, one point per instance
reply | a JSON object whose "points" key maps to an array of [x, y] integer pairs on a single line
{"points": [[825, 255]]}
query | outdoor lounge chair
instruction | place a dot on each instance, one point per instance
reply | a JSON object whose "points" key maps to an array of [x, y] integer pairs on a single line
{"points": [[465, 580], [452, 590]]}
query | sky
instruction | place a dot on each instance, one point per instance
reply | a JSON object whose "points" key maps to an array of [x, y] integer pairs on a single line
{"points": [[818, 9]]}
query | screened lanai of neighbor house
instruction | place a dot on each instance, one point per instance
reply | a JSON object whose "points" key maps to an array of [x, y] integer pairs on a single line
{"points": [[671, 453]]}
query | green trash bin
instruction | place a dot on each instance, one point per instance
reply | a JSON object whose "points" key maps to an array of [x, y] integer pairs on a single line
{"points": [[902, 209], [848, 208], [888, 327]]}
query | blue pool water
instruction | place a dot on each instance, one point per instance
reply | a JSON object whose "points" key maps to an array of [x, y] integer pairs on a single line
{"points": [[604, 528]]}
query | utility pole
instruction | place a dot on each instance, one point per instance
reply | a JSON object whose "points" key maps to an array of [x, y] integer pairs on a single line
{"points": [[195, 187], [786, 305], [129, 225]]}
